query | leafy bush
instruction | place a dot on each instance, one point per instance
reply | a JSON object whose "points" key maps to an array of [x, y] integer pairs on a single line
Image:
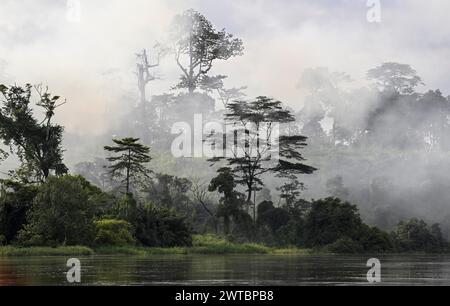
{"points": [[46, 251], [338, 226], [270, 217], [415, 235], [15, 201], [345, 246], [111, 232], [161, 227], [126, 208], [374, 240], [279, 226], [211, 244], [329, 220], [61, 214], [291, 234]]}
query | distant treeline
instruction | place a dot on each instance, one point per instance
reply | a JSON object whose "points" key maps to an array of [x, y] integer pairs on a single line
{"points": [[69, 211]]}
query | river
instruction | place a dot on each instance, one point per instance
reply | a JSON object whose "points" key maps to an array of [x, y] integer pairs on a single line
{"points": [[227, 270]]}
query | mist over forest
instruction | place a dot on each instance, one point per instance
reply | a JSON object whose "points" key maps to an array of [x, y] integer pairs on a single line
{"points": [[379, 139]]}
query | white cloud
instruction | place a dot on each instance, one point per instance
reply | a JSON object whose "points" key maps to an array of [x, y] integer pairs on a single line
{"points": [[92, 63]]}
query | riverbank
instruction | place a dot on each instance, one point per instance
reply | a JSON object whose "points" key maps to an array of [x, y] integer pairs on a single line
{"points": [[202, 244]]}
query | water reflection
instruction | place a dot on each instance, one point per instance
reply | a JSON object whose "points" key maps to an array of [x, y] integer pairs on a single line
{"points": [[227, 270]]}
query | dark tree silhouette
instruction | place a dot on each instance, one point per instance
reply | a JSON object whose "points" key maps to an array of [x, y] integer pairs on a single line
{"points": [[196, 45], [130, 160], [36, 143], [231, 203], [253, 156]]}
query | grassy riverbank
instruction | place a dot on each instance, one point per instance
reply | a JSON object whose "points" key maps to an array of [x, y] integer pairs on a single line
{"points": [[45, 251], [202, 244]]}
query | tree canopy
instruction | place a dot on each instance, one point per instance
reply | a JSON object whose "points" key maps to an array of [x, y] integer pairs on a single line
{"points": [[130, 160], [37, 143], [254, 146], [197, 44]]}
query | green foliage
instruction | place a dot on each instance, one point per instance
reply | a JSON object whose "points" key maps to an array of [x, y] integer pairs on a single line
{"points": [[231, 208], [416, 235], [291, 189], [329, 220], [211, 244], [197, 42], [126, 207], [335, 226], [375, 240], [15, 201], [141, 251], [161, 227], [338, 226], [46, 251], [290, 234], [61, 214], [271, 217], [129, 163], [170, 191], [345, 245], [37, 144], [256, 119], [111, 232], [280, 226], [367, 240]]}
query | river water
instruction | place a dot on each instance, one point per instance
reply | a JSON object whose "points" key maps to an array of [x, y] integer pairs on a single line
{"points": [[228, 270]]}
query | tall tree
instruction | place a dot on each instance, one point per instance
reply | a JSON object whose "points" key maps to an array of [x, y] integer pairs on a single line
{"points": [[144, 74], [197, 44], [15, 201], [252, 144], [130, 160], [146, 112], [36, 143], [430, 119], [231, 204], [290, 190]]}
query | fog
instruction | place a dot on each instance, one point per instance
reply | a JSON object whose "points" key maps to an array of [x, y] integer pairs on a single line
{"points": [[92, 63]]}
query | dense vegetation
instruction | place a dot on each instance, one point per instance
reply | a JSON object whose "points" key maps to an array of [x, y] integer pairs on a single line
{"points": [[122, 201]]}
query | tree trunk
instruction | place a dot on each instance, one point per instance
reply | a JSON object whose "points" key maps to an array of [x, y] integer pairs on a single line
{"points": [[226, 225], [128, 171], [254, 206], [46, 173], [249, 197], [249, 192]]}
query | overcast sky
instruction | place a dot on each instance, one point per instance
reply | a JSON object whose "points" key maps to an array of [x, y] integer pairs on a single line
{"points": [[91, 62]]}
